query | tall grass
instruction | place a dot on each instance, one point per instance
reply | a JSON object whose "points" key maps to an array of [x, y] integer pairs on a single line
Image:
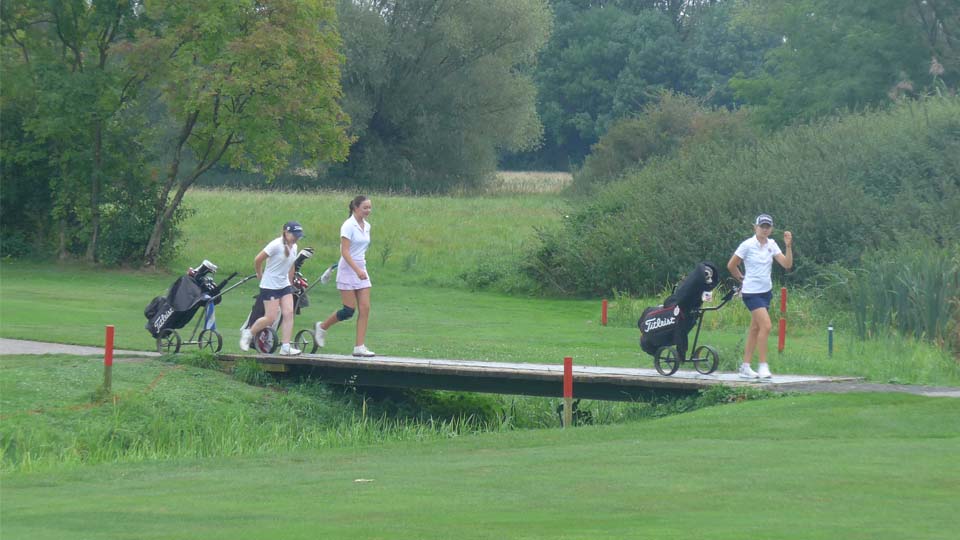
{"points": [[915, 291], [163, 411]]}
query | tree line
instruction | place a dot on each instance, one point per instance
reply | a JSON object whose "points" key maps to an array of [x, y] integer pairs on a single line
{"points": [[113, 110]]}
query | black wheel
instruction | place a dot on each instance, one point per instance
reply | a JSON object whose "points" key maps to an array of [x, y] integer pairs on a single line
{"points": [[666, 361], [304, 341], [705, 359], [169, 342], [210, 340], [266, 341]]}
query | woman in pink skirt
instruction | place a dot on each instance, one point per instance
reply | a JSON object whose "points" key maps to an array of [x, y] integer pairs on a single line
{"points": [[352, 279]]}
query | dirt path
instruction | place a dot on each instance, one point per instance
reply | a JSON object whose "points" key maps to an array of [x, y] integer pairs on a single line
{"points": [[19, 346]]}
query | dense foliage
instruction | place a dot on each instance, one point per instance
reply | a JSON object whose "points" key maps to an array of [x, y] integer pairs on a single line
{"points": [[434, 88], [849, 55], [842, 186], [608, 60], [112, 110], [664, 128]]}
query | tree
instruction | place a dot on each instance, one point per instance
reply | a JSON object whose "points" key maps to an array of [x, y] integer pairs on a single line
{"points": [[435, 87], [67, 94], [845, 55], [607, 60], [248, 82]]}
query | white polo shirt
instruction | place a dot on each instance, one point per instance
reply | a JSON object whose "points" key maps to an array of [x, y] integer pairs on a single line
{"points": [[359, 238], [757, 264], [276, 270]]}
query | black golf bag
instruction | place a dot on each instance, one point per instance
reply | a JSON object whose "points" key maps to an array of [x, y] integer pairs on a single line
{"points": [[186, 295], [670, 322]]}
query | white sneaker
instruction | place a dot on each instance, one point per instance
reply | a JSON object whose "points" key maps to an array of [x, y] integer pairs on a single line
{"points": [[325, 277], [747, 372], [319, 335], [363, 351], [287, 350], [246, 336], [764, 372]]}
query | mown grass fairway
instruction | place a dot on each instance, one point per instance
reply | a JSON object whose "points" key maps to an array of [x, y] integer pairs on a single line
{"points": [[853, 466]]}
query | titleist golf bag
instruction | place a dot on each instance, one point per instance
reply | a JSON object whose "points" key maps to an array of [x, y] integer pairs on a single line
{"points": [[670, 322], [185, 296]]}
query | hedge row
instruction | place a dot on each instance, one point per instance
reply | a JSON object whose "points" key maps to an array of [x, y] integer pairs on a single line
{"points": [[843, 186]]}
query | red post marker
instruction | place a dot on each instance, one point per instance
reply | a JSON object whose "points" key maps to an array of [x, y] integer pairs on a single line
{"points": [[603, 313], [108, 348], [782, 337], [108, 361], [567, 392]]}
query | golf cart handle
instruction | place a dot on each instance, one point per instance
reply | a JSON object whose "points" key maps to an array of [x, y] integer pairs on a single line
{"points": [[726, 298], [234, 286]]}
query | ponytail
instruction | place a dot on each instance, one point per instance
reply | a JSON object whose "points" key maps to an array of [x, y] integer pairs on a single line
{"points": [[355, 203]]}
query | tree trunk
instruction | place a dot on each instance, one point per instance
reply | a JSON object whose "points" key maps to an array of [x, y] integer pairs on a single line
{"points": [[95, 190], [62, 247]]}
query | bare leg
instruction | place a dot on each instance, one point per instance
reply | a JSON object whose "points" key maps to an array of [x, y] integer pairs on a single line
{"points": [[270, 310], [763, 332], [363, 314], [757, 335], [348, 298], [286, 321]]}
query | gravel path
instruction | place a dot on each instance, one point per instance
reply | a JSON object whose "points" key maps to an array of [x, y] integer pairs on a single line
{"points": [[19, 346]]}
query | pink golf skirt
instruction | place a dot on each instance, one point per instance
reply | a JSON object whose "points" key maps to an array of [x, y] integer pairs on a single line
{"points": [[347, 279]]}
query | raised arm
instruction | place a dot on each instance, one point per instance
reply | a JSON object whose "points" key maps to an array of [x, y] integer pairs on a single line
{"points": [[786, 259]]}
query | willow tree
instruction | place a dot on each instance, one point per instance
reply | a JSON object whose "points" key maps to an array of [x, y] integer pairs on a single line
{"points": [[436, 87], [249, 83]]}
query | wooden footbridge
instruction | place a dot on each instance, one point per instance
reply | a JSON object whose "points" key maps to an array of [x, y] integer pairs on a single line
{"points": [[589, 382]]}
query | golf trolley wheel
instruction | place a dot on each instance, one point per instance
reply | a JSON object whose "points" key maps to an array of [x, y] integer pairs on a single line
{"points": [[169, 342], [266, 341], [666, 360], [705, 359], [304, 341], [210, 340]]}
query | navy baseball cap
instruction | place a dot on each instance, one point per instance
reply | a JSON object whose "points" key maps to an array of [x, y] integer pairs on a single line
{"points": [[764, 219], [294, 228]]}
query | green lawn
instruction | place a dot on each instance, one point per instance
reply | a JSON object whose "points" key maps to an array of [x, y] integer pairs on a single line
{"points": [[829, 466], [287, 461]]}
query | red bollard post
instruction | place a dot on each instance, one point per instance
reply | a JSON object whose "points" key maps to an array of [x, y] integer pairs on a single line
{"points": [[782, 339], [567, 391], [603, 312], [108, 360]]}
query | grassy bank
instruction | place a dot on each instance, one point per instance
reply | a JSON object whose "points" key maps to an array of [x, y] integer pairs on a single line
{"points": [[851, 466], [53, 417]]}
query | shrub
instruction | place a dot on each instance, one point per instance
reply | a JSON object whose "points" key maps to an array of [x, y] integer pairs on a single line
{"points": [[842, 186], [663, 129]]}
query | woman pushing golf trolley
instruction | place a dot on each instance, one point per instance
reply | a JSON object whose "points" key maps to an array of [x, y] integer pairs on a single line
{"points": [[664, 329], [267, 340]]}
